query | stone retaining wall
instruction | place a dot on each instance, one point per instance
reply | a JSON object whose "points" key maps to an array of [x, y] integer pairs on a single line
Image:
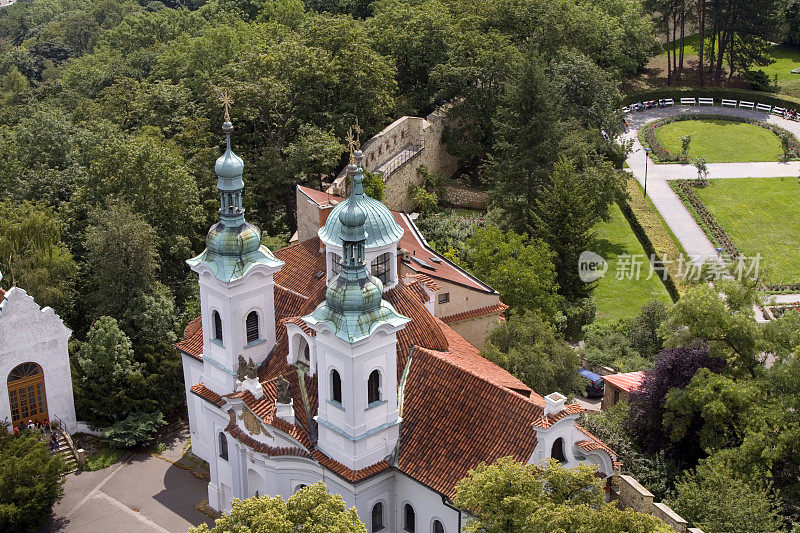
{"points": [[632, 495], [423, 137], [465, 197]]}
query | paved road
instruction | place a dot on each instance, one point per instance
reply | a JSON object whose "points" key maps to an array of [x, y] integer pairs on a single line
{"points": [[142, 493], [682, 224]]}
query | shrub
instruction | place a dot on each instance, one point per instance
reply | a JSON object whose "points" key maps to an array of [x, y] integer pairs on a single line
{"points": [[136, 429], [758, 80]]}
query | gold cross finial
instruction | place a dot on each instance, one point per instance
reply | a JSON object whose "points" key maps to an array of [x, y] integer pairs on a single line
{"points": [[227, 102], [351, 144], [358, 130]]}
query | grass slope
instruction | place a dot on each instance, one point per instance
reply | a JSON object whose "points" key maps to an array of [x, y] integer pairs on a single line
{"points": [[762, 216], [622, 298], [722, 141]]}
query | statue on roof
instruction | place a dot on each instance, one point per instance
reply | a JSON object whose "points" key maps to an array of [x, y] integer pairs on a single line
{"points": [[246, 369], [284, 392]]}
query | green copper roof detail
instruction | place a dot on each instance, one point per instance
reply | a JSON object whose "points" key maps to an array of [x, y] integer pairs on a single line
{"points": [[380, 226], [354, 306], [233, 246]]}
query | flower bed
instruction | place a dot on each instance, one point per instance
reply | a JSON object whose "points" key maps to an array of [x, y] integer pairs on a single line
{"points": [[659, 154], [719, 235]]}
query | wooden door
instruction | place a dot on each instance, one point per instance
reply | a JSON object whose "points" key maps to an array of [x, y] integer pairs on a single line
{"points": [[26, 394]]}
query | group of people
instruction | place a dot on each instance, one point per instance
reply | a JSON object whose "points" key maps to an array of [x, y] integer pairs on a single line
{"points": [[791, 114], [40, 427]]}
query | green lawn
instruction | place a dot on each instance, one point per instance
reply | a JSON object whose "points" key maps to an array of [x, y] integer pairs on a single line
{"points": [[762, 216], [721, 141], [622, 298], [786, 59]]}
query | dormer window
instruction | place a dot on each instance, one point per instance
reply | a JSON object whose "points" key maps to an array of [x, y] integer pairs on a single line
{"points": [[217, 326], [251, 326]]}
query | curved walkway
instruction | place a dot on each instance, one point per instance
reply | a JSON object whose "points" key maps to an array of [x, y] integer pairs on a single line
{"points": [[692, 238]]}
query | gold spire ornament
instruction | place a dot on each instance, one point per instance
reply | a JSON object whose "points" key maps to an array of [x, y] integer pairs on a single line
{"points": [[359, 131], [227, 102], [351, 144]]}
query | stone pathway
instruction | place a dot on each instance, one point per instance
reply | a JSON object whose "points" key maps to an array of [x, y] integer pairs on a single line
{"points": [[672, 210], [680, 221]]}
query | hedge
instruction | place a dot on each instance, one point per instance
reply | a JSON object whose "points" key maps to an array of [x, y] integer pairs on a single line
{"points": [[648, 247], [659, 154], [718, 93]]}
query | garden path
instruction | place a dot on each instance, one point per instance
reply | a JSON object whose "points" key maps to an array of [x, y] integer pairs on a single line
{"points": [[680, 221], [672, 210]]}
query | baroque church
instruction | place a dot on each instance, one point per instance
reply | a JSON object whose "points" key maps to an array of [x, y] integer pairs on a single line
{"points": [[323, 362]]}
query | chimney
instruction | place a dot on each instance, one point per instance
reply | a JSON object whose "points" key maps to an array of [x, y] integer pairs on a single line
{"points": [[554, 403]]}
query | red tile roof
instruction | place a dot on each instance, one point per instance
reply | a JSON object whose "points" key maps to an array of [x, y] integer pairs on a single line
{"points": [[629, 381], [459, 408], [412, 240], [593, 443], [192, 343], [428, 282], [546, 421], [474, 313]]}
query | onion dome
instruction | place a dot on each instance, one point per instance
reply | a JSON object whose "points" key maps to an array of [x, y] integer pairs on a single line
{"points": [[233, 246], [379, 225], [228, 165], [354, 306]]}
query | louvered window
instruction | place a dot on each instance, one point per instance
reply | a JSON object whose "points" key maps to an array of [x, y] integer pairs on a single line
{"points": [[252, 327], [217, 326]]}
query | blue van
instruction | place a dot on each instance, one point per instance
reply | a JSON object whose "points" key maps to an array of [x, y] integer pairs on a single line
{"points": [[595, 388]]}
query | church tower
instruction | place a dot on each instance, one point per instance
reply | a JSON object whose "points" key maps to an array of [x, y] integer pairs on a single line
{"points": [[236, 281], [356, 350]]}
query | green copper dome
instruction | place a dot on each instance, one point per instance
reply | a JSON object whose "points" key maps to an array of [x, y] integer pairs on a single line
{"points": [[354, 306], [233, 246], [380, 226]]}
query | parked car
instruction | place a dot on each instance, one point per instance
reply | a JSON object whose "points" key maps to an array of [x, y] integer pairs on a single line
{"points": [[595, 388]]}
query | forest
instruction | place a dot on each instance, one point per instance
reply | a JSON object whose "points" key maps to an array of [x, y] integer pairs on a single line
{"points": [[110, 126]]}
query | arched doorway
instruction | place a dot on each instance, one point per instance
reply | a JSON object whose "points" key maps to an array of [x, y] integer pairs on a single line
{"points": [[26, 394]]}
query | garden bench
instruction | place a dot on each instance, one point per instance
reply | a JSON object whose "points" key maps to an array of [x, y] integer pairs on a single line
{"points": [[778, 111], [668, 102], [688, 101], [728, 103], [764, 107], [705, 101], [746, 105]]}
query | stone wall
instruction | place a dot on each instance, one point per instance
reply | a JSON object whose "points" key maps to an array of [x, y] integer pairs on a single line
{"points": [[631, 495], [396, 152], [466, 197]]}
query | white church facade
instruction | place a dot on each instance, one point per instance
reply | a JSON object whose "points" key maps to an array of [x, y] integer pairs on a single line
{"points": [[36, 382], [319, 363]]}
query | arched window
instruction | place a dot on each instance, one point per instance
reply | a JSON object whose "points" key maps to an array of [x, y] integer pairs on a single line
{"points": [[251, 325], [223, 446], [336, 387], [336, 263], [217, 326], [377, 517], [437, 527], [557, 452], [374, 387], [409, 518], [300, 486], [381, 267]]}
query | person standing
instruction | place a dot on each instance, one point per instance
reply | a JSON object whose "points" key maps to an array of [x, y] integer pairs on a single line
{"points": [[54, 447]]}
